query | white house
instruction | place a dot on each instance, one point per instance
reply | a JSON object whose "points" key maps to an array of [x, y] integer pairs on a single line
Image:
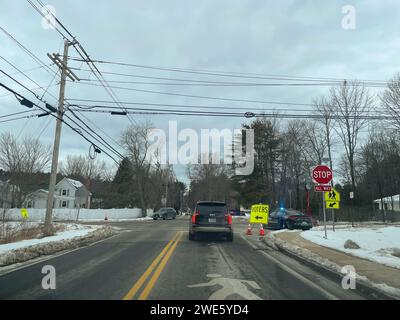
{"points": [[68, 194], [390, 203]]}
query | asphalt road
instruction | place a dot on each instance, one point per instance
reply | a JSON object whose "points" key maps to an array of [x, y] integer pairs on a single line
{"points": [[155, 260]]}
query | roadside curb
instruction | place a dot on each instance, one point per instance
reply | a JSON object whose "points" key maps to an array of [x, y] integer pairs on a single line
{"points": [[29, 253], [362, 286]]}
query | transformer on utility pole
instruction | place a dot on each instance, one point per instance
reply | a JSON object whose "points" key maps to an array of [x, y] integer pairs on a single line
{"points": [[65, 72]]}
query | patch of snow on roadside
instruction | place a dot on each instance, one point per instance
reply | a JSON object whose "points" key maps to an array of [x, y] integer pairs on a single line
{"points": [[72, 231], [376, 244]]}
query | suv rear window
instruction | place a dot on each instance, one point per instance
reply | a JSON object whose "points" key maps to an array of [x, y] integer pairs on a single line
{"points": [[207, 208]]}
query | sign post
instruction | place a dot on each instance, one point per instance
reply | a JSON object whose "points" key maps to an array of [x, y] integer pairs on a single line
{"points": [[322, 174]]}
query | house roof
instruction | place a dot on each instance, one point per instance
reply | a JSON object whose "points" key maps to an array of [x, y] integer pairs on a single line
{"points": [[75, 183], [36, 192]]}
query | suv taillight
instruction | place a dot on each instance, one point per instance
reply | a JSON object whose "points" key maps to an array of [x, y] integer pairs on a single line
{"points": [[194, 215], [228, 218]]}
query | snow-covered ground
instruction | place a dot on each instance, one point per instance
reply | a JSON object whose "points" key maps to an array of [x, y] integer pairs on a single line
{"points": [[71, 231], [376, 243]]}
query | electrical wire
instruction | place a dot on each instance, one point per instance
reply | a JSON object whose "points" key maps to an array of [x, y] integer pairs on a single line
{"points": [[227, 74], [33, 56]]}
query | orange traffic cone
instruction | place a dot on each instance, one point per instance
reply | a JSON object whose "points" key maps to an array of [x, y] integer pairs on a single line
{"points": [[249, 232], [262, 231]]}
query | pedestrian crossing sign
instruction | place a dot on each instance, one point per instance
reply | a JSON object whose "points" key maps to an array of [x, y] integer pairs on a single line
{"points": [[259, 213], [332, 195]]}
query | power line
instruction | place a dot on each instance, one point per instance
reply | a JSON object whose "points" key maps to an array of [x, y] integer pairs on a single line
{"points": [[24, 71], [15, 113], [185, 106], [226, 74], [99, 129], [95, 133], [144, 111], [33, 56], [194, 96], [19, 118], [195, 82], [230, 84], [32, 104], [92, 136]]}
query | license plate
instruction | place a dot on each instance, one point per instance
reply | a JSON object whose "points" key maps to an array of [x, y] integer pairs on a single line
{"points": [[212, 220]]}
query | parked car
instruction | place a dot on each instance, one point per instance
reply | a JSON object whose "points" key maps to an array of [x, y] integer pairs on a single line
{"points": [[245, 213], [289, 218], [235, 212], [211, 217], [165, 213]]}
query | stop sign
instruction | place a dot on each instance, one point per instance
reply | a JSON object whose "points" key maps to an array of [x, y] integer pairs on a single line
{"points": [[322, 174]]}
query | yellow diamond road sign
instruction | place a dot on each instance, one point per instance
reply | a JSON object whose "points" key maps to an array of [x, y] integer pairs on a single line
{"points": [[332, 195], [332, 204], [24, 213], [259, 213]]}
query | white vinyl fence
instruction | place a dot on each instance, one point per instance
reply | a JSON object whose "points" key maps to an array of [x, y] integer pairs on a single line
{"points": [[72, 214]]}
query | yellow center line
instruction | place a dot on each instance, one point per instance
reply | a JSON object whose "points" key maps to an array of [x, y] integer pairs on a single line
{"points": [[149, 270], [146, 291]]}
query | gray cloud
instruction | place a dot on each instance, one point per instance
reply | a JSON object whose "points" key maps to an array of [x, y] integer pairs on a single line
{"points": [[302, 38]]}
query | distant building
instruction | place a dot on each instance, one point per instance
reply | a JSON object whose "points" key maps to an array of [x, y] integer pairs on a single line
{"points": [[391, 203], [69, 194]]}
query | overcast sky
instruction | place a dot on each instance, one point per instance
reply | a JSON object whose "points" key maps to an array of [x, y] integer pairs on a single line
{"points": [[297, 38]]}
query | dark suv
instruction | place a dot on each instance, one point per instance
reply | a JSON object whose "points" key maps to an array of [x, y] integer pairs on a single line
{"points": [[164, 213], [211, 217]]}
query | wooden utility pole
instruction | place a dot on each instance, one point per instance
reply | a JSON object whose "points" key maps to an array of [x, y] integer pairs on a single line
{"points": [[65, 72]]}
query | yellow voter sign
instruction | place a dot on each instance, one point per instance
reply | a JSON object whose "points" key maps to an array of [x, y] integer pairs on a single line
{"points": [[332, 195], [24, 213], [259, 213]]}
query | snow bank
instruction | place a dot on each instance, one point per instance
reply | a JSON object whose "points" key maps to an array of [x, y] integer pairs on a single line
{"points": [[376, 244], [29, 249], [72, 214], [314, 258], [72, 231]]}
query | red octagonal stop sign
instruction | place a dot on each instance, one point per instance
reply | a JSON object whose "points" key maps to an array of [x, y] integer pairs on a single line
{"points": [[322, 174]]}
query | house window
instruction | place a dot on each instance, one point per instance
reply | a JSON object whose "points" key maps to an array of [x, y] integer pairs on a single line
{"points": [[65, 204], [30, 205], [64, 192]]}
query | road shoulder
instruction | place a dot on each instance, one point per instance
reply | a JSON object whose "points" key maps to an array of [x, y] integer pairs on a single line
{"points": [[380, 277]]}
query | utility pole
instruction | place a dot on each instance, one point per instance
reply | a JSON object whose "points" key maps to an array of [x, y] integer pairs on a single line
{"points": [[166, 186], [65, 72]]}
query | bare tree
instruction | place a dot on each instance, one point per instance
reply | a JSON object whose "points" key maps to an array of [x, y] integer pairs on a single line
{"points": [[208, 181], [83, 166], [136, 141], [350, 102], [324, 109], [21, 160], [315, 141], [390, 99]]}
